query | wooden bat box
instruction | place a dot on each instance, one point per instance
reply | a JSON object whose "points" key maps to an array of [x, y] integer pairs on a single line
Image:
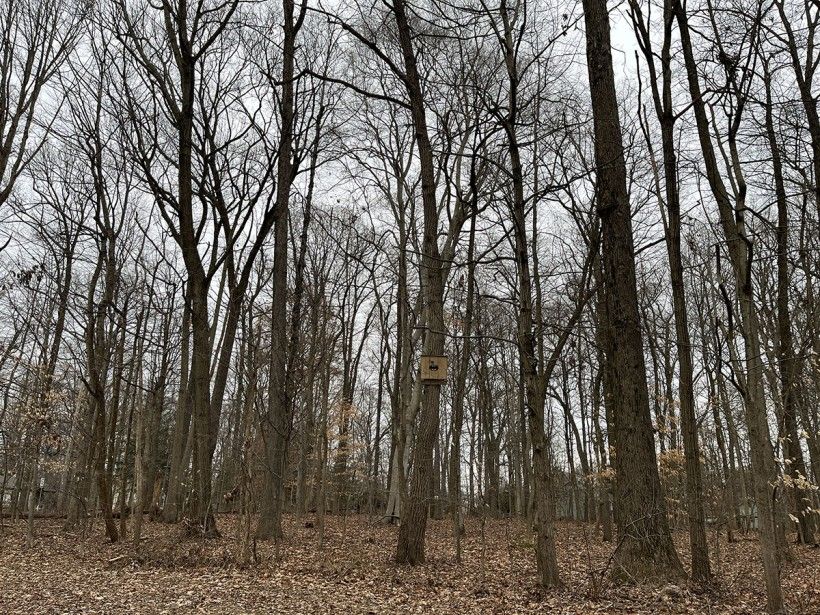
{"points": [[433, 370]]}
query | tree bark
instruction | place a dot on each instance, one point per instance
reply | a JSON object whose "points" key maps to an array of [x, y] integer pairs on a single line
{"points": [[277, 422], [646, 549], [701, 571], [410, 547]]}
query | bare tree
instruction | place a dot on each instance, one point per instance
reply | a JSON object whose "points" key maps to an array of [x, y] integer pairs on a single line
{"points": [[37, 38], [667, 116], [740, 248], [646, 549]]}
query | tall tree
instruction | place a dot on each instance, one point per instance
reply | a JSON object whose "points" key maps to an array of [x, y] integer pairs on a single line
{"points": [[646, 549], [276, 421], [795, 466], [410, 547], [666, 115], [732, 217]]}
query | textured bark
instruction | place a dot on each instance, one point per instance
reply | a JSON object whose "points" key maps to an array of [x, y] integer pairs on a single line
{"points": [[277, 422], [410, 547], [96, 355], [646, 549], [182, 425]]}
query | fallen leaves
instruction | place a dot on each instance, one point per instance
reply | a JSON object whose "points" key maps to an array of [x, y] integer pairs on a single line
{"points": [[353, 573]]}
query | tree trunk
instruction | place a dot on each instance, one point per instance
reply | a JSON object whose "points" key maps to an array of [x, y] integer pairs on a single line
{"points": [[460, 389], [701, 571], [646, 549], [182, 424], [410, 547], [276, 424], [795, 469], [740, 251]]}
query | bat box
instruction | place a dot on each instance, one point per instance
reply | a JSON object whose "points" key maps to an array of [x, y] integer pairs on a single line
{"points": [[433, 370]]}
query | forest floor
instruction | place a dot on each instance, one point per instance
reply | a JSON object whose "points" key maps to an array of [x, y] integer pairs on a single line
{"points": [[352, 573]]}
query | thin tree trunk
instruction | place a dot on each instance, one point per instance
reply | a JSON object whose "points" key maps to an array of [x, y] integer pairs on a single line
{"points": [[460, 389], [276, 423], [740, 250], [701, 571], [182, 423], [793, 453]]}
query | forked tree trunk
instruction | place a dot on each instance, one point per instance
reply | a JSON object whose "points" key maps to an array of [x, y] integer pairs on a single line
{"points": [[662, 98], [739, 247], [800, 497]]}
